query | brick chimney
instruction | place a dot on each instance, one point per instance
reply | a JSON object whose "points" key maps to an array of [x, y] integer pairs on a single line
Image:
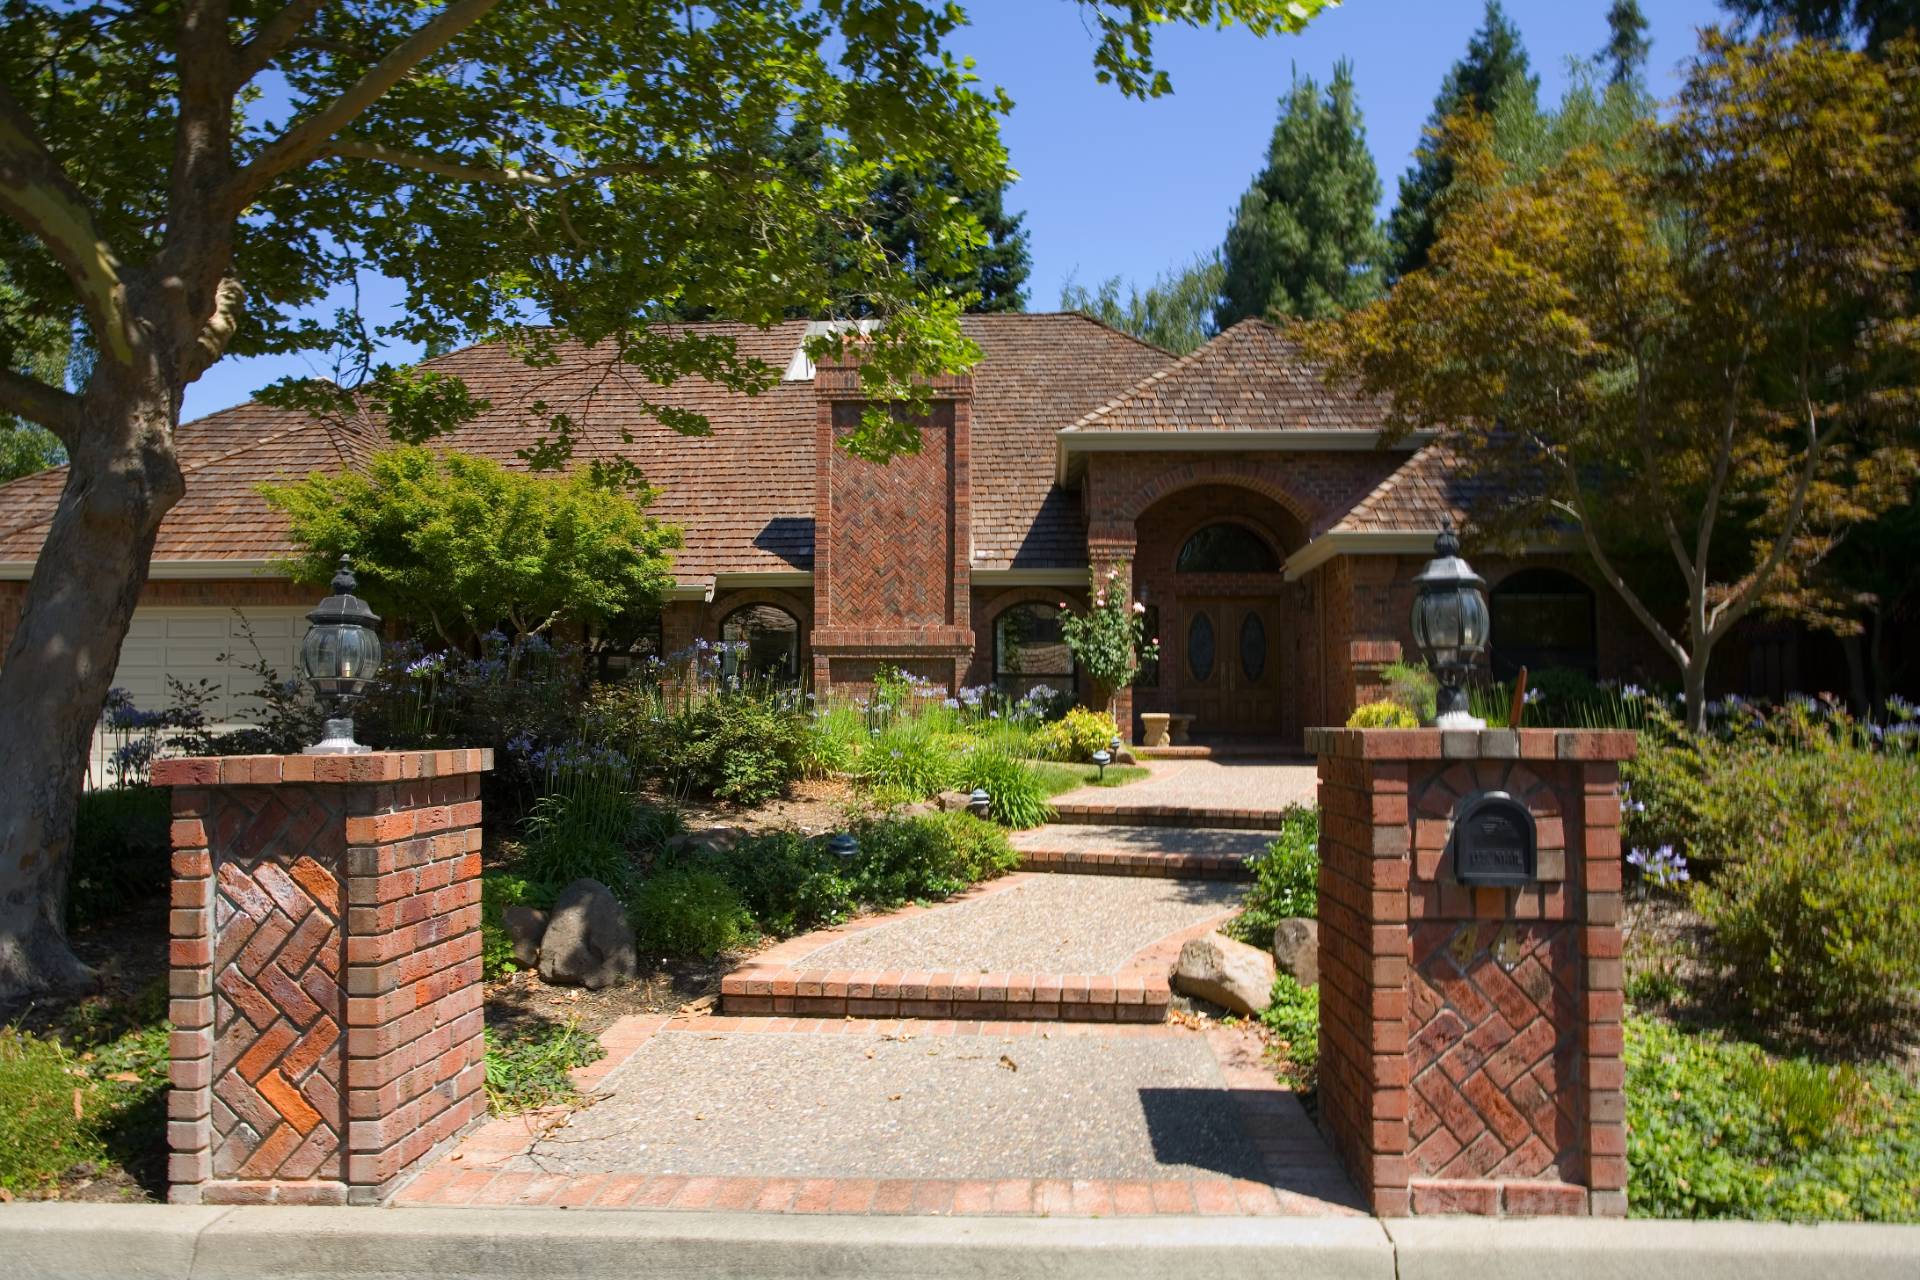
{"points": [[893, 541]]}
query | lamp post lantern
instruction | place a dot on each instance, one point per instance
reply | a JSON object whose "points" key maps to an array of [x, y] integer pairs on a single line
{"points": [[341, 656], [1450, 626]]}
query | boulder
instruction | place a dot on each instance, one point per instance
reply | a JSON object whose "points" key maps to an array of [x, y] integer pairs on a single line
{"points": [[953, 801], [524, 927], [919, 809], [588, 941], [1296, 949], [1231, 974], [708, 840]]}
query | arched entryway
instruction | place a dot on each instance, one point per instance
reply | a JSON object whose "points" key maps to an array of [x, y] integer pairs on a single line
{"points": [[1234, 634]]}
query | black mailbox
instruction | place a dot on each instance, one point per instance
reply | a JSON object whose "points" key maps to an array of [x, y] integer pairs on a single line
{"points": [[1494, 841]]}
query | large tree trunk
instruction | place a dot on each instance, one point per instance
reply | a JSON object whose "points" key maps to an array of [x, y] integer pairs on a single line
{"points": [[123, 478]]}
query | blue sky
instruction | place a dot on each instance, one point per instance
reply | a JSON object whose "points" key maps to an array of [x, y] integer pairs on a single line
{"points": [[1112, 186]]}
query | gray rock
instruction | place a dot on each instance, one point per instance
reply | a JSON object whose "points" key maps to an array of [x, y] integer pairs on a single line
{"points": [[524, 926], [953, 801], [1296, 949], [588, 940], [707, 840], [919, 809], [1231, 974]]}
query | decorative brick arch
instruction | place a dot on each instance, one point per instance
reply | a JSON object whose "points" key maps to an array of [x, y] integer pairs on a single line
{"points": [[1267, 476], [1183, 533], [727, 603]]}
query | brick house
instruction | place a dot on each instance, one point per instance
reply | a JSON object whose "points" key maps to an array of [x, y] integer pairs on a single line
{"points": [[1270, 532]]}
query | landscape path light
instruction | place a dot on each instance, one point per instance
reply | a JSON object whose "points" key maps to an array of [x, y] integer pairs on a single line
{"points": [[845, 846], [340, 657], [979, 804], [1450, 626]]}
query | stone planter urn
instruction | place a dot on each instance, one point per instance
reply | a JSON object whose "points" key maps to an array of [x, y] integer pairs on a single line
{"points": [[1153, 728]]}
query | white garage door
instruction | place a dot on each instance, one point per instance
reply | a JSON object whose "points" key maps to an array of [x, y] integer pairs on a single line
{"points": [[186, 643]]}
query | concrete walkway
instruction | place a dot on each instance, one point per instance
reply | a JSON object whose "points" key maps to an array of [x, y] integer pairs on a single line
{"points": [[813, 1115]]}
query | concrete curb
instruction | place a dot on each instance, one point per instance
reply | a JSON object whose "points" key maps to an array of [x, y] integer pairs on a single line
{"points": [[58, 1241]]}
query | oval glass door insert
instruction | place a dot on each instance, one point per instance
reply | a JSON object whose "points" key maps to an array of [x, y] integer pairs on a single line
{"points": [[1253, 646], [1200, 647]]}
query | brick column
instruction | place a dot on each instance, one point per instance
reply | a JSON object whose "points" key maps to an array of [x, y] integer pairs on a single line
{"points": [[325, 971], [1470, 1039]]}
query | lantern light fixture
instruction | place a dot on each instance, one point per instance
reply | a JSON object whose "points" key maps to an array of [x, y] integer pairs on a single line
{"points": [[845, 846], [1450, 621], [1101, 759], [979, 803], [340, 656]]}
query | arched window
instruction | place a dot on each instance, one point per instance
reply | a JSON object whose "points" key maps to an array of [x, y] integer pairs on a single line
{"points": [[1029, 650], [1226, 548], [772, 639], [1542, 618]]}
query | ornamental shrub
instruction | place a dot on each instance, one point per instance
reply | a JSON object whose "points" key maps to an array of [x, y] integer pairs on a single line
{"points": [[1384, 714], [689, 911], [912, 756], [931, 855], [1286, 878], [1076, 736], [789, 881], [1806, 826], [122, 851], [1411, 685], [1017, 797]]}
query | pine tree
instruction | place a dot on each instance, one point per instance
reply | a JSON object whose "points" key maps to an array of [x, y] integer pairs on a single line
{"points": [[1495, 64], [1872, 22], [998, 269], [1304, 241], [1626, 49]]}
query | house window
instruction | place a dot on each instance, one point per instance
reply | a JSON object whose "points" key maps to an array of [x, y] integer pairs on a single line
{"points": [[1029, 650], [772, 639], [1542, 618], [1226, 548]]}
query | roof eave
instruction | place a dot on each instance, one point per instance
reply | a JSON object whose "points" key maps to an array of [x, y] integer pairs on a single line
{"points": [[1071, 442]]}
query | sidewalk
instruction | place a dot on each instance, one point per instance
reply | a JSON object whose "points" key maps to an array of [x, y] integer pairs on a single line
{"points": [[141, 1242]]}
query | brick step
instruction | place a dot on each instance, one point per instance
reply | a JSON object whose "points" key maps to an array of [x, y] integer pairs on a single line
{"points": [[1133, 862], [1014, 997], [1162, 815]]}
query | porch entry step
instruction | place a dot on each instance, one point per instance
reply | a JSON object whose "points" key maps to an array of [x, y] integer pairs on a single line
{"points": [[1187, 853], [1162, 815]]}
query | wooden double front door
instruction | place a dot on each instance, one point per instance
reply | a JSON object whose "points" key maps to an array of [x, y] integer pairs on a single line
{"points": [[1228, 668]]}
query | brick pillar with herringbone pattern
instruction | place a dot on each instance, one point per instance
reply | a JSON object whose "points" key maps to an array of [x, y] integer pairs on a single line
{"points": [[1470, 1038], [892, 541], [325, 971]]}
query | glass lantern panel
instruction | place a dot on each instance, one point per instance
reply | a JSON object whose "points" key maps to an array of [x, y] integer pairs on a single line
{"points": [[320, 652], [1473, 621], [359, 653]]}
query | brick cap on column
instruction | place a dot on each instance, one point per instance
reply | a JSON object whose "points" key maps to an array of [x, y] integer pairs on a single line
{"points": [[372, 766], [1470, 744]]}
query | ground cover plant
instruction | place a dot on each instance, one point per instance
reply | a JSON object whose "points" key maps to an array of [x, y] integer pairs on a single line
{"points": [[527, 1068], [1294, 1018], [87, 1093]]}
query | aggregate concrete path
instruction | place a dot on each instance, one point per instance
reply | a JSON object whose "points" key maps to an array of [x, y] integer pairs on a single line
{"points": [[1269, 785], [1045, 924], [896, 1104]]}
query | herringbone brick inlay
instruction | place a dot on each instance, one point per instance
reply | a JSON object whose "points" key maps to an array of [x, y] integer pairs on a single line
{"points": [[1493, 1083], [278, 952]]}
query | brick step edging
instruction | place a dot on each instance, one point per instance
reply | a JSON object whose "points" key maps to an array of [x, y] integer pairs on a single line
{"points": [[1012, 996], [1167, 816], [1102, 862]]}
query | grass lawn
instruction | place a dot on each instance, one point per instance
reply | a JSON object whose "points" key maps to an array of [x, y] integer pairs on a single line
{"points": [[1058, 778]]}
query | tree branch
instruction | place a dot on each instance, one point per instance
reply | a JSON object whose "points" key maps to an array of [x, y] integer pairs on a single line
{"points": [[53, 408], [461, 169], [270, 38], [211, 343], [36, 193], [299, 143], [1578, 508], [1747, 591]]}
